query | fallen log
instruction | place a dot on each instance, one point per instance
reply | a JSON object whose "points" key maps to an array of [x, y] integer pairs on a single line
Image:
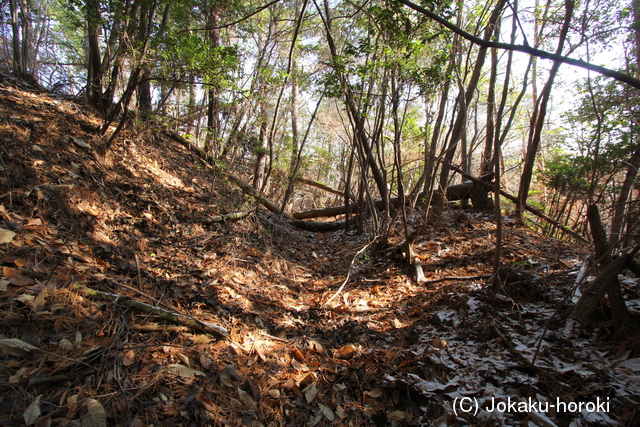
{"points": [[318, 226], [534, 211], [339, 210], [320, 186], [464, 190]]}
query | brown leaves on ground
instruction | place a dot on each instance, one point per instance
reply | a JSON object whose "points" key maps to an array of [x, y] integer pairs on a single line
{"points": [[385, 351]]}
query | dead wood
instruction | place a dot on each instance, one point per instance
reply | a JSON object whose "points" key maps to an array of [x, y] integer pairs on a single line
{"points": [[340, 210], [318, 226], [471, 190], [465, 190], [590, 299], [321, 212], [419, 271], [176, 318], [534, 211], [228, 217], [48, 379], [621, 316], [320, 186], [456, 278]]}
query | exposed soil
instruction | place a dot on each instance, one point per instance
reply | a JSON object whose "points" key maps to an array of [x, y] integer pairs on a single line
{"points": [[385, 351]]}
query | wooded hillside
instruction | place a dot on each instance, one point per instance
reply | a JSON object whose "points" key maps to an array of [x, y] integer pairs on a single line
{"points": [[319, 213]]}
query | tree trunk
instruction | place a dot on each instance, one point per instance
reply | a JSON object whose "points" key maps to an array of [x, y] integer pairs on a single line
{"points": [[18, 67], [619, 217], [94, 69], [465, 100], [610, 281], [539, 120], [294, 117], [361, 136], [144, 85]]}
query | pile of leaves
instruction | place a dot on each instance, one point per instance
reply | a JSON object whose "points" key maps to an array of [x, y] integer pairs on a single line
{"points": [[121, 306]]}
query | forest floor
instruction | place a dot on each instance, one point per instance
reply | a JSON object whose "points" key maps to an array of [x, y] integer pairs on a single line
{"points": [[456, 350]]}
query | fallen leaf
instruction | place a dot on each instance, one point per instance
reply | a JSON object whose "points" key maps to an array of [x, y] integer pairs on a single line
{"points": [[315, 345], [129, 358], [18, 376], [297, 354], [10, 272], [32, 413], [16, 347], [228, 376], [79, 142], [184, 359], [205, 361], [65, 344], [397, 416], [22, 281], [328, 413], [310, 392], [35, 223], [202, 339], [183, 371], [6, 236], [255, 389], [96, 416], [274, 392], [28, 300], [438, 343], [375, 393], [347, 351], [207, 403], [299, 366], [20, 262], [247, 400]]}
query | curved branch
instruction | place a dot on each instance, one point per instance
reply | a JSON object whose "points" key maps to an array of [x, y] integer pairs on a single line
{"points": [[231, 24], [524, 48]]}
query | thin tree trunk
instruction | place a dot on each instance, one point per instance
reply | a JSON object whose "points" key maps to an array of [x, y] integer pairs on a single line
{"points": [[94, 74], [18, 67], [538, 123], [619, 217], [465, 100], [293, 162]]}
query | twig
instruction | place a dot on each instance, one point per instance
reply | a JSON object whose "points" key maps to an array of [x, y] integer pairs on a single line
{"points": [[461, 278], [135, 256], [177, 318], [61, 378], [349, 272]]}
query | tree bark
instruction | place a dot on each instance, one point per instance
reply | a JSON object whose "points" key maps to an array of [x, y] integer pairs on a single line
{"points": [[94, 68]]}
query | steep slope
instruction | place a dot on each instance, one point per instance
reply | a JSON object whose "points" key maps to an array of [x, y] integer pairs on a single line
{"points": [[130, 223]]}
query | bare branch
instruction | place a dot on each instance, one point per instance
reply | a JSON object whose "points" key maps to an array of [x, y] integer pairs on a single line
{"points": [[524, 48]]}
